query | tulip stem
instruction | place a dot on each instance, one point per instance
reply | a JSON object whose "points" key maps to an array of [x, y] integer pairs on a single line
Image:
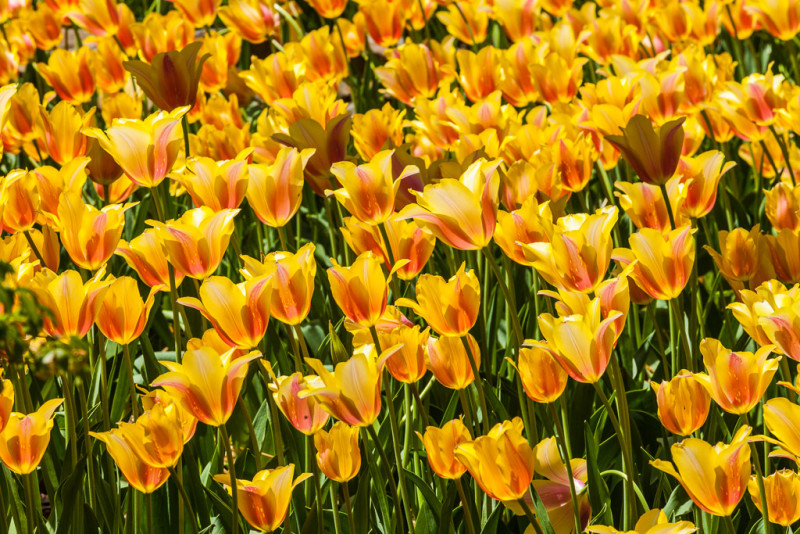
{"points": [[228, 444], [348, 507], [729, 524], [531, 517], [682, 335], [467, 412], [34, 248], [26, 482], [126, 353], [317, 488], [420, 405], [185, 125], [478, 384], [759, 478], [252, 432], [392, 485], [669, 205], [185, 498], [469, 520], [565, 456], [148, 505]]}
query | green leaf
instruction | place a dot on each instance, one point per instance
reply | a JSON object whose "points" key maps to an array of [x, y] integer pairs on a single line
{"points": [[598, 491], [427, 493], [494, 520], [448, 505]]}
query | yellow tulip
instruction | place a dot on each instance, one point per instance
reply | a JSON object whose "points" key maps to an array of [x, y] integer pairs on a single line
{"points": [[338, 455], [683, 403], [24, 439], [440, 447], [782, 490]]}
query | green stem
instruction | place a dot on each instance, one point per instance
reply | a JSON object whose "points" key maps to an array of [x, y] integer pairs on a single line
{"points": [[185, 498], [148, 505], [565, 457], [668, 204], [348, 508], [392, 485], [252, 432], [29, 513], [531, 517], [759, 479], [228, 444], [469, 520], [87, 442], [129, 367], [185, 125], [478, 384]]}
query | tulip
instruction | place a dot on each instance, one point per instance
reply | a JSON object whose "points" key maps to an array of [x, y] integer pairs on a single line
{"points": [[89, 235], [238, 312], [276, 190], [469, 28], [781, 19], [480, 74], [207, 383], [771, 314], [172, 407], [714, 476], [780, 416], [146, 255], [782, 206], [253, 20], [24, 439], [98, 17], [218, 185], [361, 290], [542, 377], [501, 462], [119, 311], [338, 455], [739, 258], [170, 80], [578, 253], [702, 175], [196, 242], [264, 501], [415, 70], [102, 168], [69, 301], [62, 131], [644, 204], [52, 184], [784, 254], [683, 403], [6, 401], [368, 191], [653, 522], [663, 262], [440, 446], [156, 437], [70, 74], [139, 474], [376, 129], [531, 223], [384, 20], [581, 343], [352, 392], [291, 279], [200, 13], [462, 212], [145, 149], [654, 155], [449, 307], [21, 201], [407, 365], [304, 413], [449, 362], [782, 490], [736, 380], [329, 9]]}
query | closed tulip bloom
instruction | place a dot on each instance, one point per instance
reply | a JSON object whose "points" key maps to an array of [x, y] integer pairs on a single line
{"points": [[172, 407], [352, 392], [156, 436], [69, 300], [368, 191], [90, 236], [6, 401], [329, 9], [207, 383], [139, 474], [275, 191], [197, 241], [578, 253], [531, 223], [702, 175], [542, 377], [407, 364], [304, 413], [653, 522], [440, 447], [781, 418], [714, 476], [102, 167], [462, 212], [291, 279], [238, 312], [736, 380], [654, 155], [663, 261], [582, 343], [338, 455], [740, 253], [449, 362], [24, 439], [264, 501], [145, 149], [70, 74], [449, 307], [200, 13], [782, 206], [683, 403], [119, 311], [217, 184], [21, 201], [644, 204], [782, 490], [62, 131], [146, 255], [361, 290], [501, 462]]}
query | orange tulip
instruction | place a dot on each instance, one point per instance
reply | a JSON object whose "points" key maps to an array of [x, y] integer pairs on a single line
{"points": [[89, 235], [654, 155], [69, 300], [780, 417], [146, 255], [6, 401], [542, 377], [782, 206], [360, 290], [102, 168], [653, 522], [449, 362], [200, 13], [145, 149], [440, 446], [264, 501], [702, 175], [462, 212], [715, 477], [329, 9], [578, 253], [207, 383], [644, 204], [449, 307], [62, 131], [377, 129], [531, 223], [470, 28], [171, 405], [21, 201], [217, 184], [70, 74], [238, 312], [768, 316], [304, 413], [254, 20], [276, 190], [407, 364], [156, 436], [98, 17], [384, 20], [416, 70], [352, 392], [338, 455], [197, 241], [683, 403], [24, 439], [736, 380], [741, 251], [140, 475], [171, 79], [119, 311], [500, 462], [782, 490]]}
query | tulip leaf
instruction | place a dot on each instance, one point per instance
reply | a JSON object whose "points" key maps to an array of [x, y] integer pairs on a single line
{"points": [[448, 506], [427, 493], [67, 496], [598, 491], [494, 402], [494, 520], [361, 503]]}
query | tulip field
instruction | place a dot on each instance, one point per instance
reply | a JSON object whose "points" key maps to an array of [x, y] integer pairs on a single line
{"points": [[399, 266]]}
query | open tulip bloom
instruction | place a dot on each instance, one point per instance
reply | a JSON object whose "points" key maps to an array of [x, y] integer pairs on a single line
{"points": [[399, 266]]}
